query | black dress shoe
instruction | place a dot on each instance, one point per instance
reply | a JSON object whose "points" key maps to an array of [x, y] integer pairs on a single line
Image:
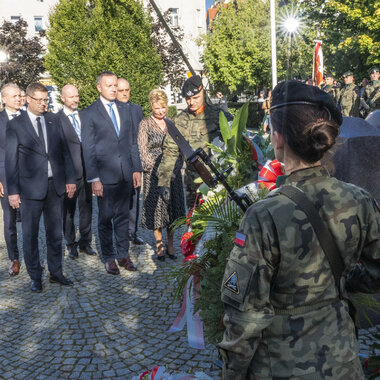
{"points": [[159, 257], [87, 249], [171, 257], [60, 280], [73, 252], [36, 286]]}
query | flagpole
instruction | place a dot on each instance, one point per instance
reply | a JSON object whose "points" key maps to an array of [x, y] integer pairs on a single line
{"points": [[314, 50], [273, 42]]}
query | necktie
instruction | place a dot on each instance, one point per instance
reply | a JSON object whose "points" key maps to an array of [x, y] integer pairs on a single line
{"points": [[40, 132], [113, 118], [76, 126]]}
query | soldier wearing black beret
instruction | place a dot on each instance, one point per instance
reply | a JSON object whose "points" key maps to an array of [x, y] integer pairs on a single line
{"points": [[349, 99], [372, 91], [286, 309], [199, 124]]}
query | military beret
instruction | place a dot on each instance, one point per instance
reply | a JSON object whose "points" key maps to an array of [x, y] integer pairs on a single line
{"points": [[192, 86], [293, 92], [329, 75], [348, 73], [374, 70]]}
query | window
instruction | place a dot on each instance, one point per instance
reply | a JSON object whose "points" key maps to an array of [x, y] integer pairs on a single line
{"points": [[14, 19], [38, 23], [199, 18], [173, 15]]}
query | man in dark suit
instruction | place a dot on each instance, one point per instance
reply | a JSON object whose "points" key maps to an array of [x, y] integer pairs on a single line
{"points": [[71, 126], [112, 166], [123, 94], [39, 170], [11, 97]]}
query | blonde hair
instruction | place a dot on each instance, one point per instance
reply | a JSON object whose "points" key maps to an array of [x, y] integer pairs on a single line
{"points": [[158, 96]]}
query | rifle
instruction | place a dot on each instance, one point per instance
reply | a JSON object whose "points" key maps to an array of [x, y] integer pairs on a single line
{"points": [[198, 159]]}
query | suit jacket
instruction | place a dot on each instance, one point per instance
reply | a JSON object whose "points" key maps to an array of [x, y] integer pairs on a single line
{"points": [[26, 160], [3, 126], [107, 156], [73, 142], [137, 116]]}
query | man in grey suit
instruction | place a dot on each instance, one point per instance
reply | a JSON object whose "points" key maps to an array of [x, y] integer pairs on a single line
{"points": [[11, 97], [123, 95], [71, 126]]}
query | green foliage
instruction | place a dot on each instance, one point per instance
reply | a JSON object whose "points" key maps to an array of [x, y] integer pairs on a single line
{"points": [[350, 33], [237, 55], [25, 63], [88, 37], [237, 52], [172, 111]]}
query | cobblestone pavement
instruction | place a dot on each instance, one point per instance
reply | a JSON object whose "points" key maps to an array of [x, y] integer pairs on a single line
{"points": [[104, 327]]}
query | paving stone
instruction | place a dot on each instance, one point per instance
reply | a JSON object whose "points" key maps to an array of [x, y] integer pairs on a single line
{"points": [[104, 327]]}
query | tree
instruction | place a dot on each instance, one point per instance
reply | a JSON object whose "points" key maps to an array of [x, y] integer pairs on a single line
{"points": [[350, 30], [237, 54], [172, 62], [87, 37], [25, 63]]}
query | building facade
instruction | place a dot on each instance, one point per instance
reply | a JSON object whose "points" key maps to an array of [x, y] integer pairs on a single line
{"points": [[190, 16]]}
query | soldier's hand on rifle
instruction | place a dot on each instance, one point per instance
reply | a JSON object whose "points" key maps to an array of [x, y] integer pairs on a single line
{"points": [[164, 193]]}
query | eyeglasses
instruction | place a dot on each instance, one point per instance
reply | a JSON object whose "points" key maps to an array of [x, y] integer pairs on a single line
{"points": [[46, 101]]}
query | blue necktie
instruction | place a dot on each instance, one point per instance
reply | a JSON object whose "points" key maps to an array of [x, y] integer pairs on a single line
{"points": [[76, 126], [113, 118]]}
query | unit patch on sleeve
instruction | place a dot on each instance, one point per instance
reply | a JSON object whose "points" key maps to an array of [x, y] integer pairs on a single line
{"points": [[232, 283], [240, 239]]}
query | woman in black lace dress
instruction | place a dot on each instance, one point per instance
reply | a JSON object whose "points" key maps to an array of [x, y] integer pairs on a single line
{"points": [[156, 214]]}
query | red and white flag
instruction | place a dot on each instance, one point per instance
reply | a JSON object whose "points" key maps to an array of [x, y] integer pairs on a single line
{"points": [[318, 63]]}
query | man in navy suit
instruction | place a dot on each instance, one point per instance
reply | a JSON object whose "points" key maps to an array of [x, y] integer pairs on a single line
{"points": [[71, 126], [11, 97], [39, 170], [123, 94], [112, 166]]}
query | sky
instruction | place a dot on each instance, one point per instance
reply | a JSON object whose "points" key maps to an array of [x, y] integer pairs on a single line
{"points": [[209, 3]]}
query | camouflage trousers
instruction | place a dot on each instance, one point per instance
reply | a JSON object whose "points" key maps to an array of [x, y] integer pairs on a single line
{"points": [[191, 187], [343, 371]]}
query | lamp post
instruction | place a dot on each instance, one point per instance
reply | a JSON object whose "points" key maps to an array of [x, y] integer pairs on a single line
{"points": [[273, 42], [291, 25]]}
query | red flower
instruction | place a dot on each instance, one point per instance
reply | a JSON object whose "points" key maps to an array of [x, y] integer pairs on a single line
{"points": [[189, 258], [143, 374], [187, 245]]}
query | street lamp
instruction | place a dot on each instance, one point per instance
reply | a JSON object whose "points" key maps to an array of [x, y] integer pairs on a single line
{"points": [[291, 25], [273, 41]]}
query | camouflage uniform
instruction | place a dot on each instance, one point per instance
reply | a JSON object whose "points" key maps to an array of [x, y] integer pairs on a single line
{"points": [[198, 130], [332, 91], [283, 318], [372, 95], [349, 100]]}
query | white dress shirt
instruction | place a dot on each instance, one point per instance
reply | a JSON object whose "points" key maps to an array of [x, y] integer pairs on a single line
{"points": [[114, 107], [33, 119], [69, 114], [10, 114]]}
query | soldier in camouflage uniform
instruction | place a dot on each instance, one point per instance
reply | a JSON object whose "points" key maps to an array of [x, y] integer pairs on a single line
{"points": [[284, 318], [199, 124], [329, 88], [372, 91], [349, 99]]}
